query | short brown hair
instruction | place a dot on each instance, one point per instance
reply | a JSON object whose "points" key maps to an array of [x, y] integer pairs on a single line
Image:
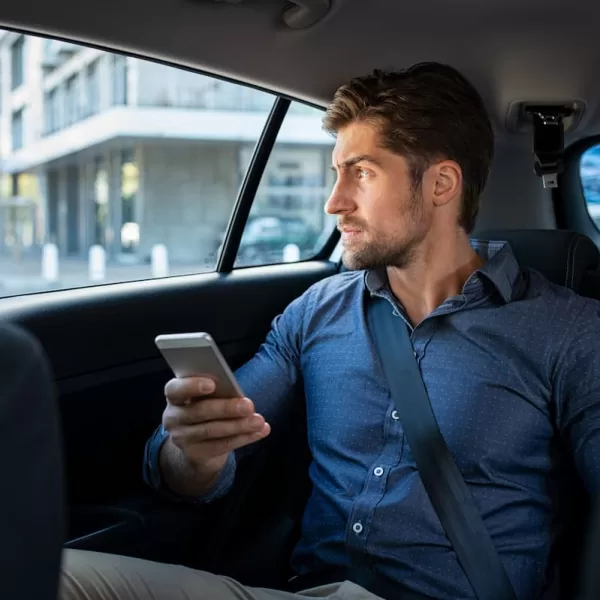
{"points": [[426, 113]]}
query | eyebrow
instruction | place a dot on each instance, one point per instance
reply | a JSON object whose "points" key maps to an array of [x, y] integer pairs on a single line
{"points": [[355, 160]]}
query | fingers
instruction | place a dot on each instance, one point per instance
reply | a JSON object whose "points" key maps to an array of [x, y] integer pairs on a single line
{"points": [[206, 428], [205, 441], [209, 410], [217, 430], [176, 420], [222, 446], [180, 390]]}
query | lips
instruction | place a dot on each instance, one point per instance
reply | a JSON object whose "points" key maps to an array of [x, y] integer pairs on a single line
{"points": [[350, 234]]}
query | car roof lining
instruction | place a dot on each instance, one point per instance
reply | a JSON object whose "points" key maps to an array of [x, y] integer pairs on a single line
{"points": [[512, 50], [541, 50]]}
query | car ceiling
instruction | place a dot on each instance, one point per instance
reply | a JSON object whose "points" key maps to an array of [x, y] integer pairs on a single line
{"points": [[511, 49]]}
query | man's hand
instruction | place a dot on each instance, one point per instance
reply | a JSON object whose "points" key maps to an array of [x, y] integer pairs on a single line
{"points": [[205, 431]]}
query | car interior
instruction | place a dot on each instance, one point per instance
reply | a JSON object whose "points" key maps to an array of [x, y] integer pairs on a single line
{"points": [[100, 338]]}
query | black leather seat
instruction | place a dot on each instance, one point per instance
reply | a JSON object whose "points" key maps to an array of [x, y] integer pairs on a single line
{"points": [[566, 258], [32, 506], [572, 260]]}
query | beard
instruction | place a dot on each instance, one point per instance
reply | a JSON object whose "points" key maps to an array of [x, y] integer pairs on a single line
{"points": [[390, 249], [381, 254]]}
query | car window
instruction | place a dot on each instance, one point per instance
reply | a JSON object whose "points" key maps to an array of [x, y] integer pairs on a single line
{"points": [[589, 170], [116, 168], [287, 221]]}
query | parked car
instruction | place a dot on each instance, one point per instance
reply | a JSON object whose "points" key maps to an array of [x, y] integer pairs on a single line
{"points": [[265, 238]]}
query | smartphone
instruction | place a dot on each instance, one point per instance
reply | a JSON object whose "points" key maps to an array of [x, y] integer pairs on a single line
{"points": [[197, 355]]}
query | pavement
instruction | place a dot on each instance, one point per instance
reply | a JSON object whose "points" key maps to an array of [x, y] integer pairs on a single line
{"points": [[24, 275]]}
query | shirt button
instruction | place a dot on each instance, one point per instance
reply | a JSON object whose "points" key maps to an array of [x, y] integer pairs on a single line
{"points": [[395, 415], [357, 528], [415, 353], [378, 471]]}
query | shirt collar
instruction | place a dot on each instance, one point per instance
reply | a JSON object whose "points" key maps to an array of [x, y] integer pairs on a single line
{"points": [[501, 269]]}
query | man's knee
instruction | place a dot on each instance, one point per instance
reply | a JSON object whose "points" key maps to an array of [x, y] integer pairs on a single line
{"points": [[96, 576]]}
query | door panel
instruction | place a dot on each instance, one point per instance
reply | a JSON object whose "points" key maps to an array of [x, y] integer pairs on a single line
{"points": [[94, 329], [110, 379]]}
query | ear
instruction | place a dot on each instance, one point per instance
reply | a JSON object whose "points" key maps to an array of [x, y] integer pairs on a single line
{"points": [[446, 182]]}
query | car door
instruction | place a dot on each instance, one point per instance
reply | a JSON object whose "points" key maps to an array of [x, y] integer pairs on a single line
{"points": [[129, 185]]}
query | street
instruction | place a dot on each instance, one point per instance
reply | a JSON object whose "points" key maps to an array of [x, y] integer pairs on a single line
{"points": [[24, 275]]}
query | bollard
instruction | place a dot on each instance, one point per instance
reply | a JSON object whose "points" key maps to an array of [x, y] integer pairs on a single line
{"points": [[97, 263], [291, 253], [160, 261], [50, 263]]}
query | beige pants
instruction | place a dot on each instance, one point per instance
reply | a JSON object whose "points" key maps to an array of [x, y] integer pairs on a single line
{"points": [[95, 576]]}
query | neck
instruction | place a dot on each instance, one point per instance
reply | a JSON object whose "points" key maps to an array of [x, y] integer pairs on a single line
{"points": [[441, 266]]}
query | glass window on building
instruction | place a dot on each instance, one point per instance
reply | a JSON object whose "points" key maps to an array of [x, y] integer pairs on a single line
{"points": [[119, 80], [130, 181], [72, 103], [92, 89], [17, 130], [17, 62], [101, 199], [52, 114]]}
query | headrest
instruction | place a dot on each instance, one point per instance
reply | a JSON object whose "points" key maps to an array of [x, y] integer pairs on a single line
{"points": [[561, 256]]}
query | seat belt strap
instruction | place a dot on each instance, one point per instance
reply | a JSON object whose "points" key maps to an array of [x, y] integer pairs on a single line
{"points": [[441, 478]]}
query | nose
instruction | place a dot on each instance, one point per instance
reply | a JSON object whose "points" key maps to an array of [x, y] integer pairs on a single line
{"points": [[339, 202]]}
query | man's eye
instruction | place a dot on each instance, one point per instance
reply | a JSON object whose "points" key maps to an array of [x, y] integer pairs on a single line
{"points": [[362, 173]]}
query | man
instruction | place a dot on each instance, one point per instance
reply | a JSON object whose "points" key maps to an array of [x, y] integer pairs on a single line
{"points": [[508, 359]]}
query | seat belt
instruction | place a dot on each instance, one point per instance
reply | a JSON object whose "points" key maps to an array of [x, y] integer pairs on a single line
{"points": [[441, 478]]}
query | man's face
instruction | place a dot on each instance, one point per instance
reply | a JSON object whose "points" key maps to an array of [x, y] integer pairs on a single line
{"points": [[382, 218]]}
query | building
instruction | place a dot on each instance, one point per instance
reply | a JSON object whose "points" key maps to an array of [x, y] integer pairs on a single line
{"points": [[99, 148]]}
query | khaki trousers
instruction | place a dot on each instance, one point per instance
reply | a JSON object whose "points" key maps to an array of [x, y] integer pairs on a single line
{"points": [[97, 576]]}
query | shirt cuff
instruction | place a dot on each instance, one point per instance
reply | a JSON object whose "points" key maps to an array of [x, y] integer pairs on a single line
{"points": [[152, 475]]}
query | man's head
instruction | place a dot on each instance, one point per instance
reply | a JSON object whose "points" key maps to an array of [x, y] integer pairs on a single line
{"points": [[412, 156]]}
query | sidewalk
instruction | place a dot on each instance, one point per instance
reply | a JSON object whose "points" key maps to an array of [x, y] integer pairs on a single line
{"points": [[24, 276]]}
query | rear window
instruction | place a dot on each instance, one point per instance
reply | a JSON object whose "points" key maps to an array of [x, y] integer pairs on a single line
{"points": [[118, 169], [589, 170]]}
